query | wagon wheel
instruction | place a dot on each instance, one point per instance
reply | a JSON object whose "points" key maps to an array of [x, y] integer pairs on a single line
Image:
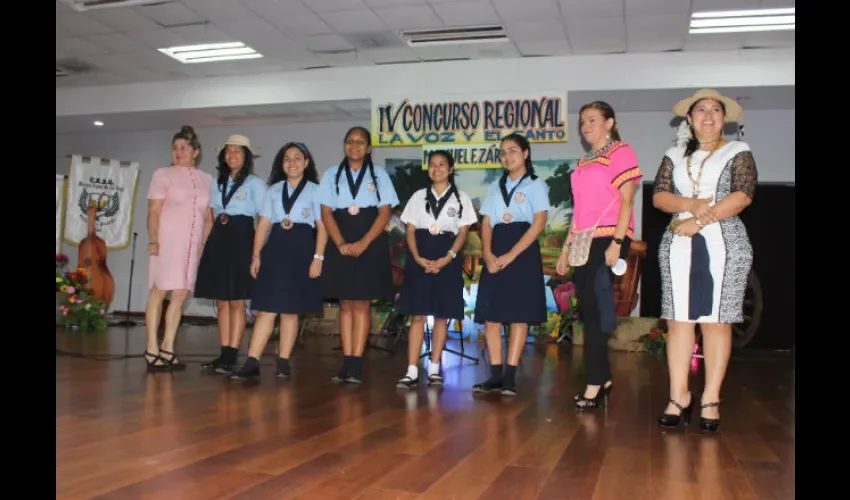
{"points": [[743, 333]]}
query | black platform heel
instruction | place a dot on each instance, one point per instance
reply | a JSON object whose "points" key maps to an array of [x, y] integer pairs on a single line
{"points": [[684, 416], [709, 425], [152, 366], [169, 362]]}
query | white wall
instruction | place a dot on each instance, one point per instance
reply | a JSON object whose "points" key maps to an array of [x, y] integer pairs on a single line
{"points": [[770, 133]]}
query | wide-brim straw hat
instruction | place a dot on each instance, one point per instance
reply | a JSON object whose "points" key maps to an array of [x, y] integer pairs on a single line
{"points": [[734, 111], [239, 140]]}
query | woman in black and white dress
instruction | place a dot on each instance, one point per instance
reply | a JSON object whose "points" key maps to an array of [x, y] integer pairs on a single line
{"points": [[356, 198], [235, 199], [288, 265], [438, 219], [705, 256]]}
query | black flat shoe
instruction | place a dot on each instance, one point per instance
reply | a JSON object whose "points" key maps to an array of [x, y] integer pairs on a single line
{"points": [[684, 416], [492, 384]]}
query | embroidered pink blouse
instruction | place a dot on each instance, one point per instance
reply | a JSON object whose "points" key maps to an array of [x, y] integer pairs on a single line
{"points": [[596, 183]]}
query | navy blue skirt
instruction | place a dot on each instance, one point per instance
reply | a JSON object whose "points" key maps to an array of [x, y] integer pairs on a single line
{"points": [[224, 271], [367, 277], [283, 283], [515, 294], [424, 294]]}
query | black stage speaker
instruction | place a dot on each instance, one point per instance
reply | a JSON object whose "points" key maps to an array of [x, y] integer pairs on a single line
{"points": [[770, 222]]}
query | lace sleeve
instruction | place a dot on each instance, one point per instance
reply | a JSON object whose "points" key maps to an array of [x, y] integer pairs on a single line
{"points": [[664, 177], [744, 173]]}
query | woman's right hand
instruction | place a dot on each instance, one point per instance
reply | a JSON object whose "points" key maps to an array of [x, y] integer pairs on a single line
{"points": [[255, 266], [153, 248], [698, 205], [490, 260], [563, 265], [425, 263]]}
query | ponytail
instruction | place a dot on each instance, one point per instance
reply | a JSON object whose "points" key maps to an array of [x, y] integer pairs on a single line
{"points": [[367, 163]]}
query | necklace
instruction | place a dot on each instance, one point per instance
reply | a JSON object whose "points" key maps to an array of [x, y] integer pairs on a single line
{"points": [[695, 182]]}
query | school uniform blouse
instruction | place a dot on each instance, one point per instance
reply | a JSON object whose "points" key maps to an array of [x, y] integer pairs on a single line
{"points": [[528, 198], [366, 195], [305, 210], [449, 219], [247, 200]]}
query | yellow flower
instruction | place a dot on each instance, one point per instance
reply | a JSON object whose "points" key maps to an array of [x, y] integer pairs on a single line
{"points": [[63, 288]]}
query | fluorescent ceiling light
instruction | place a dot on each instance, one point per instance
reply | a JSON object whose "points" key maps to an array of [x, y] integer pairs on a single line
{"points": [[211, 52], [737, 21], [454, 36], [84, 5]]}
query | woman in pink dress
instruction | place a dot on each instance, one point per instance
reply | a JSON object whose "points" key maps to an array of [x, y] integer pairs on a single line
{"points": [[177, 201]]}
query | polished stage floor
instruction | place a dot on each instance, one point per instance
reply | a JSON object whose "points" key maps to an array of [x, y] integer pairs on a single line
{"points": [[122, 433]]}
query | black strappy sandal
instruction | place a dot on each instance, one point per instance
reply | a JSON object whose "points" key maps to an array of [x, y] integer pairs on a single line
{"points": [[152, 366], [709, 425], [170, 363]]}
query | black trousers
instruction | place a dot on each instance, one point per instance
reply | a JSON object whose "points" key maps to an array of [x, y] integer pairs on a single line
{"points": [[595, 297]]}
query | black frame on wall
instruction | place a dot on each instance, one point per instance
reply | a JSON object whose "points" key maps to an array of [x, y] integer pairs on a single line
{"points": [[770, 222]]}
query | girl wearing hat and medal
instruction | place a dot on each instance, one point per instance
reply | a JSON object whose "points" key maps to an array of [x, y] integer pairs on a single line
{"points": [[437, 218], [705, 256], [511, 289], [288, 264], [603, 185], [235, 198], [356, 199]]}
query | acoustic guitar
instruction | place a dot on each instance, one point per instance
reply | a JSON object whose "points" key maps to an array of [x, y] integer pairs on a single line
{"points": [[93, 259]]}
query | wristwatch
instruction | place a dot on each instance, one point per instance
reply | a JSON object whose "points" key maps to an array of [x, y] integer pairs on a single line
{"points": [[618, 241]]}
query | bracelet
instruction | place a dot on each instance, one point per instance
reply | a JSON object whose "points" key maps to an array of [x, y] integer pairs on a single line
{"points": [[454, 255], [319, 257]]}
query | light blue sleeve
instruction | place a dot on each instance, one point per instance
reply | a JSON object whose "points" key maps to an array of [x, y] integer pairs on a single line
{"points": [[258, 193], [327, 190], [386, 188], [538, 197], [488, 207], [215, 197], [317, 206], [266, 211]]}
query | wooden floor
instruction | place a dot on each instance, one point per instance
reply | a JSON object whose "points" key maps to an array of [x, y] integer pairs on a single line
{"points": [[124, 434]]}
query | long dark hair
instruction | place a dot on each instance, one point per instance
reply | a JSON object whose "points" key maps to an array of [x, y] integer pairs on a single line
{"points": [[524, 145], [224, 170], [278, 173], [367, 160], [451, 161], [693, 143]]}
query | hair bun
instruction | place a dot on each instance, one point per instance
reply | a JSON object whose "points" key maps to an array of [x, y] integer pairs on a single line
{"points": [[188, 131]]}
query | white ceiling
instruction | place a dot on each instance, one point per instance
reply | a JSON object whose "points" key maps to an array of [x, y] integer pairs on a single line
{"points": [[118, 45], [623, 101]]}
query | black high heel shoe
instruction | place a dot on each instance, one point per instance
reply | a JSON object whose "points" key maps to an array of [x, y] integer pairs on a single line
{"points": [[601, 399], [709, 425], [684, 416]]}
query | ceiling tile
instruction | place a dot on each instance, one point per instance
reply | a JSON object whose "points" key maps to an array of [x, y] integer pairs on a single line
{"points": [[390, 55], [116, 43], [527, 10], [440, 52], [295, 26], [656, 33], [322, 6], [353, 21], [169, 14], [572, 9], [541, 31], [777, 3], [393, 3], [655, 7], [122, 20], [768, 39], [411, 17], [76, 47], [346, 59], [319, 43], [81, 25], [596, 35], [548, 48], [467, 13], [277, 8], [217, 11], [709, 5]]}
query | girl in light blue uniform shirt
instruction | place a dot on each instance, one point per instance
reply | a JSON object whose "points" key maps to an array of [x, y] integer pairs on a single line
{"points": [[356, 198], [235, 198], [511, 289], [288, 266]]}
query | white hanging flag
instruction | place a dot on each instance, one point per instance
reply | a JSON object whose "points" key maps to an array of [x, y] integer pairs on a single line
{"points": [[60, 187], [112, 189]]}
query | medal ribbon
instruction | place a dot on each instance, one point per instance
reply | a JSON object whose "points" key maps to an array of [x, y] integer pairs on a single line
{"points": [[354, 187], [225, 199], [435, 204], [506, 196], [287, 201]]}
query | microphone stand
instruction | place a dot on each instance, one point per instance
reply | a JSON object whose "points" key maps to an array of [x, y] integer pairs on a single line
{"points": [[127, 321]]}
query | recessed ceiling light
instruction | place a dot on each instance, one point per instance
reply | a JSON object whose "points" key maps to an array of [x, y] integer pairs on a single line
{"points": [[211, 52], [737, 21], [98, 123], [454, 36]]}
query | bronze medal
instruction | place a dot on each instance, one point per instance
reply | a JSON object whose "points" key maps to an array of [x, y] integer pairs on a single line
{"points": [[434, 229], [507, 217], [354, 210], [286, 223], [224, 218]]}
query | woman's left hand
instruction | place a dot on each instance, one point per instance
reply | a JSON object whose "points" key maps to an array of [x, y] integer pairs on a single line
{"points": [[612, 254], [356, 248], [438, 264], [505, 260], [687, 228], [315, 268]]}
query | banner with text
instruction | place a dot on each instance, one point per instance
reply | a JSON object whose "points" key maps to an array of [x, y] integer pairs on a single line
{"points": [[404, 122], [467, 156], [109, 187]]}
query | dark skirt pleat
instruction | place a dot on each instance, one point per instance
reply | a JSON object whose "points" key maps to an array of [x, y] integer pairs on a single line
{"points": [[224, 271], [516, 294], [283, 283], [439, 295]]}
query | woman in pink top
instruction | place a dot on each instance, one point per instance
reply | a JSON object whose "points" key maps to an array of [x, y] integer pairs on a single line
{"points": [[177, 202], [603, 186]]}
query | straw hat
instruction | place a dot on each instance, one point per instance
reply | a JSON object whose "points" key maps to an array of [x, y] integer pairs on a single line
{"points": [[238, 140], [734, 111]]}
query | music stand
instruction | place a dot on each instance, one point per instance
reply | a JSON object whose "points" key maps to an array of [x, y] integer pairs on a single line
{"points": [[127, 322], [462, 354]]}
